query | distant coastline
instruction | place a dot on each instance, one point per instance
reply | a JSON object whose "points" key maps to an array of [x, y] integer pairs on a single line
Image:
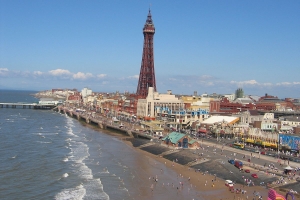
{"points": [[46, 94]]}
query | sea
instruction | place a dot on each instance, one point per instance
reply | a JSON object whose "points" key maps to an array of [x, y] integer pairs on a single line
{"points": [[49, 155]]}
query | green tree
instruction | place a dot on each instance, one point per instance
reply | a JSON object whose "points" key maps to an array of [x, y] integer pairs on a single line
{"points": [[239, 93]]}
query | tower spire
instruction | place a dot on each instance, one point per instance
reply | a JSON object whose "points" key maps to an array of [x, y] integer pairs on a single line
{"points": [[147, 74]]}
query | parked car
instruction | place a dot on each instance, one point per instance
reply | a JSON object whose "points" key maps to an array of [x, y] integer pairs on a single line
{"points": [[229, 183], [238, 164], [231, 161], [254, 175], [263, 153], [247, 170]]}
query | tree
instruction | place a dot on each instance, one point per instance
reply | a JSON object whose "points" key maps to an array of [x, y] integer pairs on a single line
{"points": [[239, 93]]}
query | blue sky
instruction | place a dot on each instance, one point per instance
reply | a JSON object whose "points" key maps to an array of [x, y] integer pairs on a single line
{"points": [[203, 46]]}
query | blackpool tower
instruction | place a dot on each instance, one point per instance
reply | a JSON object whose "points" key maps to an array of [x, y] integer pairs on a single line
{"points": [[147, 74]]}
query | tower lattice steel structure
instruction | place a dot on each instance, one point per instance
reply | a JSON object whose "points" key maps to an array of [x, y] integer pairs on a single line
{"points": [[147, 74]]}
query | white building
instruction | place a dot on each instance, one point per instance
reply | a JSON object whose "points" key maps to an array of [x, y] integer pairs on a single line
{"points": [[230, 97], [268, 124], [250, 116], [86, 92], [158, 103]]}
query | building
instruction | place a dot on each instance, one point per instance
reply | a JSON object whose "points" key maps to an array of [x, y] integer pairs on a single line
{"points": [[270, 103], [86, 92], [214, 120], [180, 140], [74, 98], [158, 104], [250, 116], [147, 74], [197, 102], [290, 124]]}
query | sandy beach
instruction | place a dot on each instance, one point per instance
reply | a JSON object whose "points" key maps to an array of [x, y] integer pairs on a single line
{"points": [[207, 185]]}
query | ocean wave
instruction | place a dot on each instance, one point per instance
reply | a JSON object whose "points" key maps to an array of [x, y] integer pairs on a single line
{"points": [[43, 142], [71, 193], [94, 190], [79, 152], [82, 171]]}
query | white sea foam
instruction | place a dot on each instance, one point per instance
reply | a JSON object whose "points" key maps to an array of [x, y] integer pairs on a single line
{"points": [[43, 142], [85, 172], [78, 153], [65, 175], [77, 157], [104, 171], [77, 193], [70, 132], [94, 190]]}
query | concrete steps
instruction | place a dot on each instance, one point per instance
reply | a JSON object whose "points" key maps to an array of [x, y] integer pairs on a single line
{"points": [[197, 162], [145, 145]]}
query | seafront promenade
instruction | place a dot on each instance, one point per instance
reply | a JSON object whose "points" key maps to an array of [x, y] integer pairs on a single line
{"points": [[104, 122]]}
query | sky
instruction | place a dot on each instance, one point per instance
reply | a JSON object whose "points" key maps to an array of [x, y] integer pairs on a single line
{"points": [[205, 46]]}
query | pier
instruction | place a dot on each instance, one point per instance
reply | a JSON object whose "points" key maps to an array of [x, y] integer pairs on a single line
{"points": [[27, 105]]}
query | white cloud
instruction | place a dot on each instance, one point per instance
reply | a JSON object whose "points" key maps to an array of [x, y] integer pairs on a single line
{"points": [[82, 76], [267, 84], [255, 83], [134, 77], [60, 72], [284, 83], [210, 83], [37, 73], [205, 77], [241, 83], [101, 75], [3, 71]]}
